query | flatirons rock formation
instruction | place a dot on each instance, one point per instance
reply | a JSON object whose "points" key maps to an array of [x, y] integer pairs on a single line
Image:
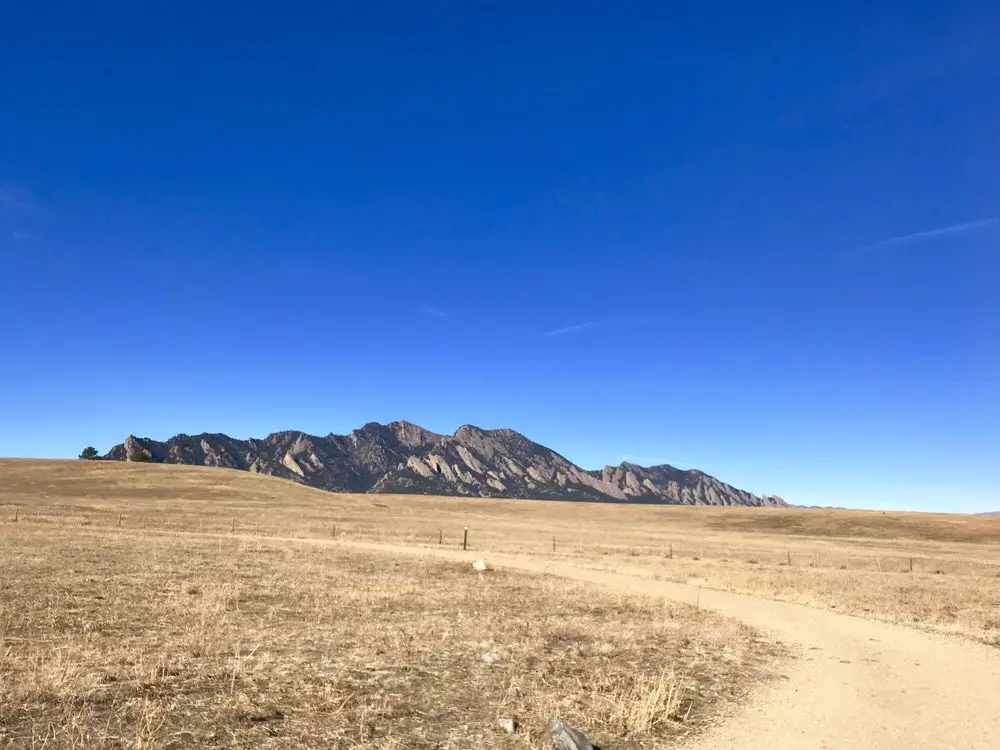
{"points": [[404, 458]]}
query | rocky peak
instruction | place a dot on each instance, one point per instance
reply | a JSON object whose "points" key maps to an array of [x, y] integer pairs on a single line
{"points": [[413, 436], [404, 457], [133, 446]]}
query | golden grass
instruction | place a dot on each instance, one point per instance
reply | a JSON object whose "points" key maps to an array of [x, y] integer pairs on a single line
{"points": [[641, 705], [131, 638], [852, 561]]}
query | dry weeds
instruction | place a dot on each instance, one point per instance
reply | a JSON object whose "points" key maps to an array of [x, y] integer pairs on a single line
{"points": [[130, 638]]}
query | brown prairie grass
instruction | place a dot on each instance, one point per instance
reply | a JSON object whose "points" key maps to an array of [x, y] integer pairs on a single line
{"points": [[124, 638], [857, 562], [641, 705]]}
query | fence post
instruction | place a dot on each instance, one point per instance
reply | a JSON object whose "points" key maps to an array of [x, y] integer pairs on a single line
{"points": [[911, 564], [465, 539], [120, 516], [17, 512], [234, 526], [440, 537], [671, 551], [789, 558], [334, 534], [553, 543]]}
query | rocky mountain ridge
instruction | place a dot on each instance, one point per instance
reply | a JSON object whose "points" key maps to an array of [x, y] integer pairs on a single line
{"points": [[401, 457]]}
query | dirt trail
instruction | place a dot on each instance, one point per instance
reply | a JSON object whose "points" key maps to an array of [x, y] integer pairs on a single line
{"points": [[855, 684]]}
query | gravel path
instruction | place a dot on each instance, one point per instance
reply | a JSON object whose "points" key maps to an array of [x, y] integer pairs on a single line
{"points": [[855, 684]]}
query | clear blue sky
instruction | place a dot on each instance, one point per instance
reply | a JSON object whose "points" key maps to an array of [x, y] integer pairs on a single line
{"points": [[756, 239]]}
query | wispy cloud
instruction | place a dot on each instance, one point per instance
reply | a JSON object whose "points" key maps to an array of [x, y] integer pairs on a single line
{"points": [[573, 328], [433, 311], [930, 234], [14, 198], [576, 327], [19, 235]]}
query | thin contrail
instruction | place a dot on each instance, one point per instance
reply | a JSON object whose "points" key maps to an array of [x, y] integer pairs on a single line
{"points": [[929, 234], [611, 322], [572, 328]]}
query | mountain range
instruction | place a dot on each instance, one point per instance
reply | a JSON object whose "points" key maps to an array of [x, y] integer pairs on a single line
{"points": [[401, 457]]}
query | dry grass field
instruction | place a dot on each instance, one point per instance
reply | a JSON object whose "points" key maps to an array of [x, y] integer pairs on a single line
{"points": [[852, 561], [162, 606], [153, 635], [149, 606]]}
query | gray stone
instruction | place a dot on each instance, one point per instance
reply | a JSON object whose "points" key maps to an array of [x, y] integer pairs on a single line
{"points": [[564, 737]]}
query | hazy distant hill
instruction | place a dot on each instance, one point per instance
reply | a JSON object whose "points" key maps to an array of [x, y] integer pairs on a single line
{"points": [[402, 457]]}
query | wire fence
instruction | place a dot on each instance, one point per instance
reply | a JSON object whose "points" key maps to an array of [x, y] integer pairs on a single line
{"points": [[537, 542]]}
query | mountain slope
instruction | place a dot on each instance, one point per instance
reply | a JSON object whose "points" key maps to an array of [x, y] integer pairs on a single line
{"points": [[404, 458]]}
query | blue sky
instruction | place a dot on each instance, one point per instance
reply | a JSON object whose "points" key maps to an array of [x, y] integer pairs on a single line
{"points": [[757, 240]]}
